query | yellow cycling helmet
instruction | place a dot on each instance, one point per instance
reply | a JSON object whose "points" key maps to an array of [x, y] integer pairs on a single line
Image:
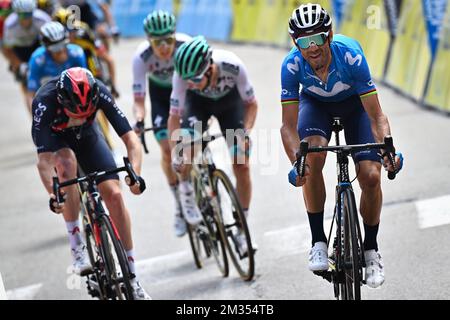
{"points": [[61, 15]]}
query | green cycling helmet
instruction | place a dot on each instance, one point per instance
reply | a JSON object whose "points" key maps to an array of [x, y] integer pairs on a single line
{"points": [[159, 23], [192, 58]]}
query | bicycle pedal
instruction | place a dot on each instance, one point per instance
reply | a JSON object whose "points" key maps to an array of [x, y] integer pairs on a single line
{"points": [[86, 273]]}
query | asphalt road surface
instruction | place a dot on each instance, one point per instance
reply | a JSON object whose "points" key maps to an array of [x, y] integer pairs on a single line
{"points": [[414, 236]]}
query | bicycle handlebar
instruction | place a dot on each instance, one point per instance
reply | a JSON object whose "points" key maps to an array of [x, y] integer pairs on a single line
{"points": [[142, 136], [134, 178], [388, 146]]}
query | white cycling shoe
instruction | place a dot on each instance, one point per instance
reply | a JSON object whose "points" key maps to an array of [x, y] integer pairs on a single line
{"points": [[190, 210], [374, 273], [179, 225], [81, 264], [318, 257], [139, 292]]}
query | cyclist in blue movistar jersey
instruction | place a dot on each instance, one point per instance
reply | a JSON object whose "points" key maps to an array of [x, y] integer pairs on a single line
{"points": [[53, 57], [326, 76]]}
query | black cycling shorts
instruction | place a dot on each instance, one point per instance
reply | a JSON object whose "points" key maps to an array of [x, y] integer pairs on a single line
{"points": [[228, 110], [91, 150], [160, 106], [24, 53]]}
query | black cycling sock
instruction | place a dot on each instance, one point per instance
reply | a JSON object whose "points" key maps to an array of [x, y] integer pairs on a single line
{"points": [[316, 225], [370, 237]]}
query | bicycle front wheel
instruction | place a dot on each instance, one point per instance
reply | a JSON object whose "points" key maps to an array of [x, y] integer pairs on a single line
{"points": [[210, 230], [115, 261], [235, 224], [351, 251]]}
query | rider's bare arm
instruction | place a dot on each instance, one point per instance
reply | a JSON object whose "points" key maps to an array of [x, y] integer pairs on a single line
{"points": [[173, 124], [251, 109], [46, 167], [12, 58], [134, 150], [289, 134], [139, 108], [103, 54], [378, 120]]}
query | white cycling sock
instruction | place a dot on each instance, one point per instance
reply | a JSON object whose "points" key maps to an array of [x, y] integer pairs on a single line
{"points": [[130, 259], [73, 228], [185, 186], [174, 189]]}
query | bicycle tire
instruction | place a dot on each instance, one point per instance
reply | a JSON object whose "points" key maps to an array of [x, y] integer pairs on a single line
{"points": [[194, 240], [352, 264], [120, 282], [210, 230], [93, 253], [234, 221], [194, 237]]}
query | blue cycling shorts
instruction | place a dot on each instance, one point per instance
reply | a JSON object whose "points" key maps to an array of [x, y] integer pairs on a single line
{"points": [[315, 118]]}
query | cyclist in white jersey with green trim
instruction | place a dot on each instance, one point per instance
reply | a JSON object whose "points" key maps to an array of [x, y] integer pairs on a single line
{"points": [[210, 83], [154, 60]]}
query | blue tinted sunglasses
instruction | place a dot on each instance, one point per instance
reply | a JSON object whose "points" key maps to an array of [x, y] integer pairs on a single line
{"points": [[25, 15], [318, 39]]}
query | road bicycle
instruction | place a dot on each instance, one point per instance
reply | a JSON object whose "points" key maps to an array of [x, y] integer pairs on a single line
{"points": [[346, 261], [223, 217], [110, 275]]}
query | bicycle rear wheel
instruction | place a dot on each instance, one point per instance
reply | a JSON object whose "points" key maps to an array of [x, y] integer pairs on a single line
{"points": [[351, 286], [115, 261], [234, 222]]}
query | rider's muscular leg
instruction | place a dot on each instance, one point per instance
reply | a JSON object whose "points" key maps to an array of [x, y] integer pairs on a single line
{"points": [[166, 163], [369, 178], [243, 183], [66, 167], [314, 190], [112, 195]]}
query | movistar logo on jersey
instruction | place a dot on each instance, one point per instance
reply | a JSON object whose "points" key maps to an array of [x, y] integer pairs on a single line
{"points": [[294, 67], [352, 60]]}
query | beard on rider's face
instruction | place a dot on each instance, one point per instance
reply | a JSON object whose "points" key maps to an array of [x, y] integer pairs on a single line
{"points": [[316, 56]]}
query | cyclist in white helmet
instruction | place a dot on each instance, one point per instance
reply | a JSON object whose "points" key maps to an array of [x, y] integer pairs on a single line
{"points": [[326, 76], [21, 38], [54, 56]]}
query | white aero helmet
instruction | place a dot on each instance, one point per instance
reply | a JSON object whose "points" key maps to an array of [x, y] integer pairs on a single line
{"points": [[309, 19], [23, 6]]}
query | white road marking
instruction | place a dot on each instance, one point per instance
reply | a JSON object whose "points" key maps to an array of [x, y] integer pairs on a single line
{"points": [[3, 295], [159, 263], [433, 212], [24, 293], [292, 240]]}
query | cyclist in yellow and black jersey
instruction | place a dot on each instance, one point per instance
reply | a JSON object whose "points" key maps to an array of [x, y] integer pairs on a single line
{"points": [[95, 52], [94, 49]]}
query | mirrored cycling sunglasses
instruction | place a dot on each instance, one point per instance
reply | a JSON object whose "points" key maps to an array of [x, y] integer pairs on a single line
{"points": [[198, 78], [25, 15], [57, 47], [159, 41], [318, 39]]}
